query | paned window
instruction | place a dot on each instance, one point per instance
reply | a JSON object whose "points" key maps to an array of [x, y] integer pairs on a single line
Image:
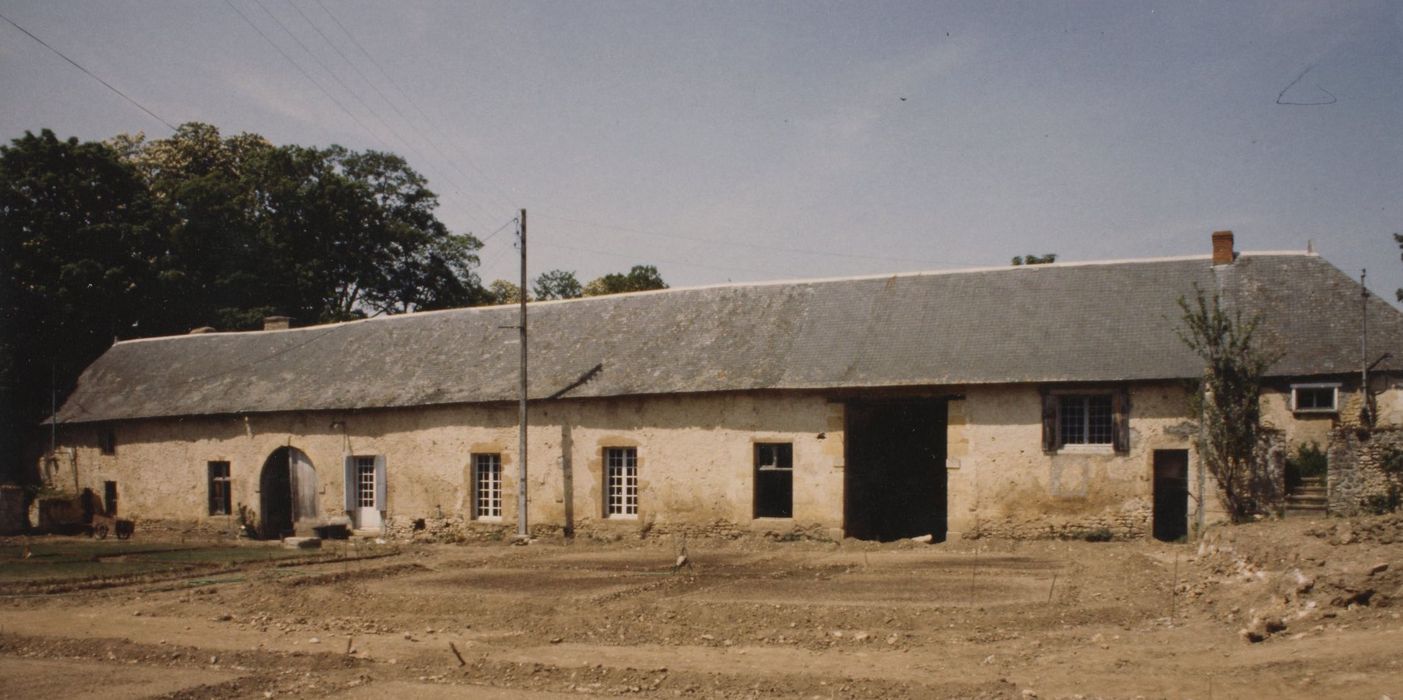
{"points": [[365, 482], [774, 480], [487, 486], [220, 499], [1315, 398], [1086, 419], [621, 482]]}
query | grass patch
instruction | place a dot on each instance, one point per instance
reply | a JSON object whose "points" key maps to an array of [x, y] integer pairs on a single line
{"points": [[90, 559]]}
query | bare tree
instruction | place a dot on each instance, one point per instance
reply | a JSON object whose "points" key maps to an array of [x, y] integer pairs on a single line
{"points": [[1228, 399]]}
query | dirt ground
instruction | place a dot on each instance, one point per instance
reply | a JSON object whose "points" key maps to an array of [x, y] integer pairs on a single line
{"points": [[1276, 609]]}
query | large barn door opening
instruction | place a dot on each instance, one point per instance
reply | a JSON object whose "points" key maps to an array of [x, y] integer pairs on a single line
{"points": [[287, 493], [895, 484]]}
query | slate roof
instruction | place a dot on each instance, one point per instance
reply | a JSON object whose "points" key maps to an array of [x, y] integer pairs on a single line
{"points": [[1047, 323]]}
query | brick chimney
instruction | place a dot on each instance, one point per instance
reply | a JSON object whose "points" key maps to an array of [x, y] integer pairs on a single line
{"points": [[282, 323], [1222, 248]]}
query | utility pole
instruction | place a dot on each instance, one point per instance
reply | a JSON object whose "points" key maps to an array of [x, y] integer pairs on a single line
{"points": [[522, 532], [1366, 414]]}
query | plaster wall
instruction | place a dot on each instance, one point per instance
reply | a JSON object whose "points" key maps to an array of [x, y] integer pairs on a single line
{"points": [[695, 458], [1002, 483]]}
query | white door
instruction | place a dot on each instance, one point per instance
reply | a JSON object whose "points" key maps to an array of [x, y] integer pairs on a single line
{"points": [[367, 511]]}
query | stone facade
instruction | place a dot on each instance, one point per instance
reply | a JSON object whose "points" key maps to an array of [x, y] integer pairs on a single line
{"points": [[695, 458], [1366, 470]]}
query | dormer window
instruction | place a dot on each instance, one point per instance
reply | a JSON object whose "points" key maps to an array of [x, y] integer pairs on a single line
{"points": [[1315, 398]]}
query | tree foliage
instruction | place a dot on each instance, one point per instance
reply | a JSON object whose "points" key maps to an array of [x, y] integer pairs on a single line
{"points": [[137, 237], [1034, 259], [77, 252], [504, 292], [640, 278], [557, 284], [1228, 399], [318, 234]]}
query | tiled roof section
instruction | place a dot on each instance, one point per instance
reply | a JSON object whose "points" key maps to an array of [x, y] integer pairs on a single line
{"points": [[1053, 323]]}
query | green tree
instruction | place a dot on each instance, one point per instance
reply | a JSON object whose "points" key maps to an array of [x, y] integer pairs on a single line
{"points": [[641, 278], [316, 234], [140, 237], [557, 284], [77, 256], [504, 292], [1034, 259], [1227, 400]]}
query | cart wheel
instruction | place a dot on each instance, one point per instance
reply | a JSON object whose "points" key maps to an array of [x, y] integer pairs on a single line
{"points": [[100, 532], [123, 533]]}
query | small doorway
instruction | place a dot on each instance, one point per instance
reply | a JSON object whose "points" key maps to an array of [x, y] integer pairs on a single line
{"points": [[1171, 515], [365, 491], [109, 496], [895, 478], [287, 493]]}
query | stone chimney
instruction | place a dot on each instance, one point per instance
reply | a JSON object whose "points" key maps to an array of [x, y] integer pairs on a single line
{"points": [[1222, 248], [282, 323]]}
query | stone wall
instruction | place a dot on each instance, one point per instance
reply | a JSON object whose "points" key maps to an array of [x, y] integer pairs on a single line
{"points": [[1128, 521], [1002, 483], [1360, 480], [695, 461]]}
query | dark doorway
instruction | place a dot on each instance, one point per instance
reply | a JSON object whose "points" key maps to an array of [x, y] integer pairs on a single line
{"points": [[895, 477], [1171, 518], [109, 496], [275, 515], [287, 493]]}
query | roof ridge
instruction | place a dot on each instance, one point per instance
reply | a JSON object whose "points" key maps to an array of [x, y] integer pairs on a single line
{"points": [[753, 285]]}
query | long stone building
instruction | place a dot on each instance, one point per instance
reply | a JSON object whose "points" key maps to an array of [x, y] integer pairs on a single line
{"points": [[1047, 400]]}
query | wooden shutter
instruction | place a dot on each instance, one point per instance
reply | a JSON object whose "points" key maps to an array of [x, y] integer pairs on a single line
{"points": [[1120, 420], [1050, 409], [380, 490], [350, 484]]}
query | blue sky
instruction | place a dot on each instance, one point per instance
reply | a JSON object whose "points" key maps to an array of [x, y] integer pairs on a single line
{"points": [[755, 141]]}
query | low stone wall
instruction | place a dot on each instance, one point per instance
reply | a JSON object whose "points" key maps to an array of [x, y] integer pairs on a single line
{"points": [[1360, 481], [1131, 521]]}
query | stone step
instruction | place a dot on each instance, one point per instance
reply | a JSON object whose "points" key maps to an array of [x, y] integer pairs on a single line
{"points": [[1307, 501], [1290, 512]]}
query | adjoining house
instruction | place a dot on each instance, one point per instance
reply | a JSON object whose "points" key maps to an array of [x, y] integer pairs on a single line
{"points": [[1049, 400]]}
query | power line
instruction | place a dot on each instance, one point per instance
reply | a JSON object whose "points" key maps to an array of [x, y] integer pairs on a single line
{"points": [[299, 67], [90, 74], [500, 229], [447, 179], [305, 73], [366, 79], [427, 119]]}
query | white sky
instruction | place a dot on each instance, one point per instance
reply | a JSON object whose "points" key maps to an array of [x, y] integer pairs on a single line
{"points": [[753, 141]]}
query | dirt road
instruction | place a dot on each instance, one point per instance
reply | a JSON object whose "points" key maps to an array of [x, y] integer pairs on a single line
{"points": [[746, 619]]}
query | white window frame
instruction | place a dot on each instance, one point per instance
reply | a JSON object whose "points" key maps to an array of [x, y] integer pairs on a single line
{"points": [[621, 483], [1334, 403], [365, 483], [487, 492]]}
